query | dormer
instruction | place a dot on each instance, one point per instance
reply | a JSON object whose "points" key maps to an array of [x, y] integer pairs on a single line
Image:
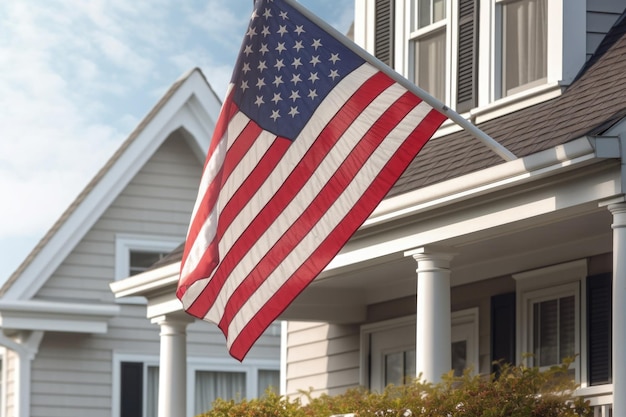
{"points": [[485, 58]]}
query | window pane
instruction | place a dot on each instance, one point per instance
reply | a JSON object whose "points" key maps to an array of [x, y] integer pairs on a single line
{"points": [[400, 367], [142, 260], [423, 13], [268, 379], [545, 332], [459, 357], [409, 365], [394, 368], [439, 10], [554, 333], [524, 44], [213, 385], [431, 62]]}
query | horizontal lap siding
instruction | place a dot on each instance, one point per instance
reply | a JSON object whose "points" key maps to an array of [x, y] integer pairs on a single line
{"points": [[601, 15], [322, 357], [72, 374], [158, 201]]}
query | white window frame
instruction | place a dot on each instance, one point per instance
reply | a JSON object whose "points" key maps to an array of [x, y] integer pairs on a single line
{"points": [[566, 39], [251, 368], [409, 33], [125, 243], [548, 283]]}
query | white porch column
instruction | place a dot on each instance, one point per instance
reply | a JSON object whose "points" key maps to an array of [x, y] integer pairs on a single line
{"points": [[173, 364], [432, 347], [619, 307]]}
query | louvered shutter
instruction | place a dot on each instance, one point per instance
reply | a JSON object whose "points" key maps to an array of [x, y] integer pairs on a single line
{"points": [[131, 390], [503, 329], [599, 308], [383, 38], [466, 71]]}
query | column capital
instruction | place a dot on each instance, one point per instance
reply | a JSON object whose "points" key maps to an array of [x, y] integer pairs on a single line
{"points": [[439, 254], [173, 319]]}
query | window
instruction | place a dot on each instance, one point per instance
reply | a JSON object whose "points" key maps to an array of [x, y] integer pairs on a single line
{"points": [[136, 253], [141, 260], [549, 319], [137, 383], [524, 45], [554, 330], [429, 28]]}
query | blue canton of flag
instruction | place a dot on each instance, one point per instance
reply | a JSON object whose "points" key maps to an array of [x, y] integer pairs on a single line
{"points": [[287, 65]]}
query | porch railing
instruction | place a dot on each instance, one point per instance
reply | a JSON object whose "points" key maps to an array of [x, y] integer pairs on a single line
{"points": [[600, 398]]}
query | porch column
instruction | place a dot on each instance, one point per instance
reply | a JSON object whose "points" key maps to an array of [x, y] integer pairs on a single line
{"points": [[173, 364], [432, 347], [619, 307]]}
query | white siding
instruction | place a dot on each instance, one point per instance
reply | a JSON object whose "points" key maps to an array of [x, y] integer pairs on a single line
{"points": [[601, 15], [322, 357]]}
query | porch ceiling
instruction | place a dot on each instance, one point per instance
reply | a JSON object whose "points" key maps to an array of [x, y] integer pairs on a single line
{"points": [[573, 233]]}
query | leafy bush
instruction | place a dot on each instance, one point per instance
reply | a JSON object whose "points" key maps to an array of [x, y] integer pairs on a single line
{"points": [[517, 391]]}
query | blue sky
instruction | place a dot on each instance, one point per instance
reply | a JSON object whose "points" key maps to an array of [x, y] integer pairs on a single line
{"points": [[76, 76]]}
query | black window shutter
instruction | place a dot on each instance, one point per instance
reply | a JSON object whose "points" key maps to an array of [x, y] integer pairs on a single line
{"points": [[383, 38], [503, 329], [467, 44], [131, 403], [599, 312]]}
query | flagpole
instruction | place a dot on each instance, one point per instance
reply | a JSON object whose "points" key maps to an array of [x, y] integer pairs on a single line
{"points": [[432, 101]]}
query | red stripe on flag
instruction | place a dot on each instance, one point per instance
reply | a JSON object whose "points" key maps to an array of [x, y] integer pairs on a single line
{"points": [[205, 208], [337, 238], [325, 198], [303, 171], [253, 182]]}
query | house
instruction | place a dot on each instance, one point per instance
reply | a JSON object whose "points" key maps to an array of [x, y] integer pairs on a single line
{"points": [[473, 258], [68, 347]]}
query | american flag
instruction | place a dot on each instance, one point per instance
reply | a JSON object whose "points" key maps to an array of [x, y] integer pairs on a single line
{"points": [[310, 139]]}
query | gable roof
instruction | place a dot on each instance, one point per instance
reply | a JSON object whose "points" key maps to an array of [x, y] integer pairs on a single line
{"points": [[590, 105], [190, 103]]}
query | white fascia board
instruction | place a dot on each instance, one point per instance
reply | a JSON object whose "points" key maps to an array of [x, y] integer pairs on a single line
{"points": [[55, 316], [148, 282], [110, 185], [482, 182]]}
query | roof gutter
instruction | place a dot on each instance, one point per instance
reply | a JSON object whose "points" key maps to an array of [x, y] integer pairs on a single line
{"points": [[544, 163]]}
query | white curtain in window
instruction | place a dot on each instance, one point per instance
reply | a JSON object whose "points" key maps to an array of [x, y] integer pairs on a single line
{"points": [[431, 63], [525, 43], [554, 334], [213, 385], [152, 391], [267, 379]]}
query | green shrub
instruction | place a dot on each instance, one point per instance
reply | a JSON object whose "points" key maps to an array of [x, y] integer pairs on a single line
{"points": [[517, 391]]}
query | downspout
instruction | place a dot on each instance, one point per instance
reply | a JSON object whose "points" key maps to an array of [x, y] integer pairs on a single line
{"points": [[25, 346]]}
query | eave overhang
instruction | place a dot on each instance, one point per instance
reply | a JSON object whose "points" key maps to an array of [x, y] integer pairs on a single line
{"points": [[34, 315]]}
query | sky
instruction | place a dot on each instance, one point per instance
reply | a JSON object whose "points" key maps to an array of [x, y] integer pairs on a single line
{"points": [[77, 76]]}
